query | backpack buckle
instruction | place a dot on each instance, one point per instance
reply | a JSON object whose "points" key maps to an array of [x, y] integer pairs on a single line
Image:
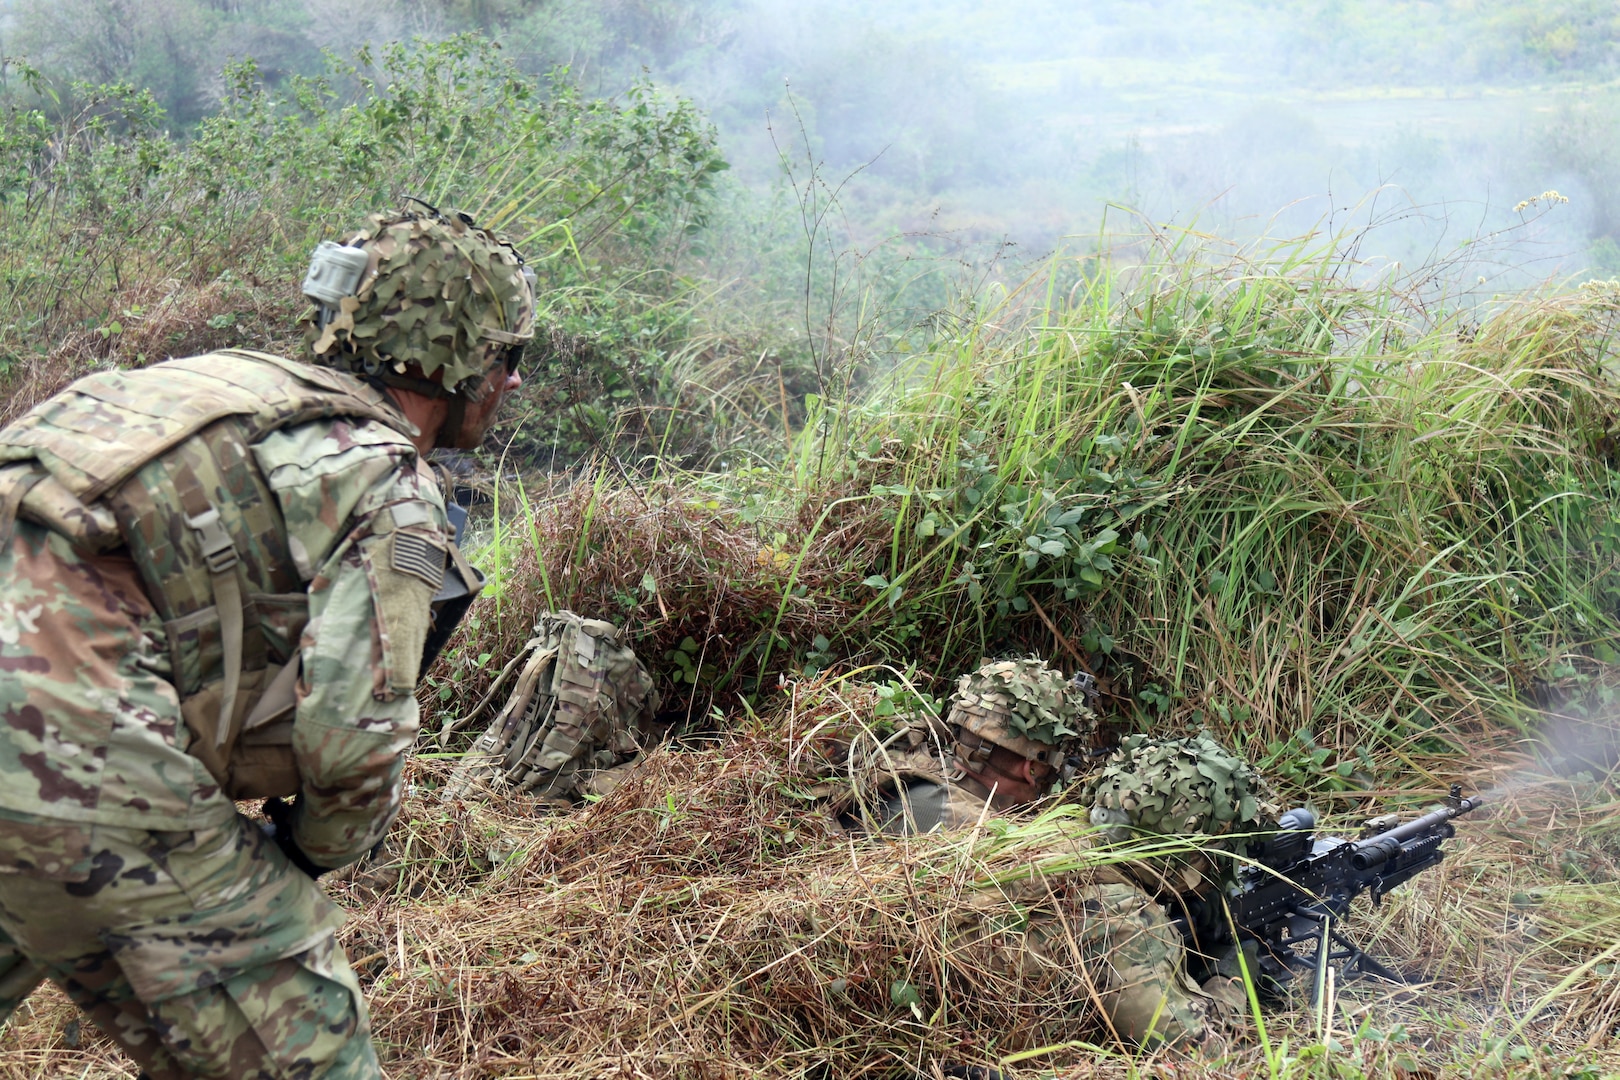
{"points": [[217, 550], [975, 755]]}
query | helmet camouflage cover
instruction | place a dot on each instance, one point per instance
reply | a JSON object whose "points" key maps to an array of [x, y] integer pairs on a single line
{"points": [[1022, 705], [436, 289], [1180, 786]]}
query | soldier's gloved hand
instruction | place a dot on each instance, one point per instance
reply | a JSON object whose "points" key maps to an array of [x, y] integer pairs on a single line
{"points": [[279, 827]]}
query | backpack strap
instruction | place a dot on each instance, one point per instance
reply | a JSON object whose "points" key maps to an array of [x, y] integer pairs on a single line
{"points": [[219, 552], [511, 726], [15, 483], [279, 700], [452, 726]]}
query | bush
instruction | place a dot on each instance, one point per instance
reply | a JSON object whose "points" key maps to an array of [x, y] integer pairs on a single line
{"points": [[1246, 492], [109, 222]]}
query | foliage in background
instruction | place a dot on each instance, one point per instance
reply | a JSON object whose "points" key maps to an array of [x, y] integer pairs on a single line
{"points": [[980, 121], [1263, 498], [1582, 138], [176, 48], [1421, 42], [1343, 531], [118, 240]]}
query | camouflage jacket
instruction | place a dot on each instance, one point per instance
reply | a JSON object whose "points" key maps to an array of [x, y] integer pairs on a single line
{"points": [[344, 488], [917, 785], [913, 804]]}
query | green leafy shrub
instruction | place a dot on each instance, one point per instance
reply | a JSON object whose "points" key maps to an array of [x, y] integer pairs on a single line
{"points": [[1247, 492], [105, 212]]}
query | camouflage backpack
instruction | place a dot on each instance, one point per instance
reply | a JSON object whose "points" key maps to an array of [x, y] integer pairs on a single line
{"points": [[162, 460], [581, 702]]}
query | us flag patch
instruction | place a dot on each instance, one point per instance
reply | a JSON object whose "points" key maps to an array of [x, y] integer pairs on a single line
{"points": [[420, 557]]}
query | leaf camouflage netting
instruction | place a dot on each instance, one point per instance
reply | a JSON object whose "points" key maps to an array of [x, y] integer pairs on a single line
{"points": [[1192, 785], [1035, 701], [438, 289]]}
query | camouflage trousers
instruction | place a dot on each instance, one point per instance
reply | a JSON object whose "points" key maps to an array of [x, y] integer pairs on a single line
{"points": [[203, 954], [1102, 948]]}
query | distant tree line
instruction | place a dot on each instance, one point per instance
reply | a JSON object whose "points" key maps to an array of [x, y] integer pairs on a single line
{"points": [[928, 99], [177, 48], [1440, 41]]}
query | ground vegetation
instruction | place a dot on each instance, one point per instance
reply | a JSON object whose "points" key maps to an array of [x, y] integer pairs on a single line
{"points": [[1308, 501]]}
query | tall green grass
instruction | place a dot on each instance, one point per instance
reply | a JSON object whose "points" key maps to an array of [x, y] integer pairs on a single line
{"points": [[1264, 496], [1263, 491]]}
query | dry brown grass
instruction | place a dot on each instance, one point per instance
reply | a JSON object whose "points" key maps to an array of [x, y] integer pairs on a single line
{"points": [[157, 320], [705, 920], [593, 548]]}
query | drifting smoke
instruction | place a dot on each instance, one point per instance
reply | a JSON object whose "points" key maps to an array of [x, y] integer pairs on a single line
{"points": [[1034, 122], [1572, 745], [1028, 120]]}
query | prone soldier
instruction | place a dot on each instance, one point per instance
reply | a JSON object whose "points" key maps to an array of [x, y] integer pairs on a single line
{"points": [[575, 714], [220, 578], [1001, 745], [1110, 941]]}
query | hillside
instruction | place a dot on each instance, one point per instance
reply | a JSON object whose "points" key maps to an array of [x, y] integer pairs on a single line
{"points": [[1359, 520]]}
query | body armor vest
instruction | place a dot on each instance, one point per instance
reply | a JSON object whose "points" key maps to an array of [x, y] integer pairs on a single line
{"points": [[159, 460]]}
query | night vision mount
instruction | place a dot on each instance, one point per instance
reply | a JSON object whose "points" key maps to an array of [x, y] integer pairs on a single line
{"points": [[336, 270]]}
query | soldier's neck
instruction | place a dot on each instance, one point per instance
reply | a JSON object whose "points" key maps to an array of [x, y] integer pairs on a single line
{"points": [[427, 413]]}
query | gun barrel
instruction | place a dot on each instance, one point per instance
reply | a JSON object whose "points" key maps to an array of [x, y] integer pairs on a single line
{"points": [[1376, 850]]}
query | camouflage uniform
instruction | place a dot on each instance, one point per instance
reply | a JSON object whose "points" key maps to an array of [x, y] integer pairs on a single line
{"points": [[1101, 945], [930, 778], [1095, 940], [130, 879]]}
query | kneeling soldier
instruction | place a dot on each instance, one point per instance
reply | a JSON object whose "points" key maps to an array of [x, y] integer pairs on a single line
{"points": [[219, 579]]}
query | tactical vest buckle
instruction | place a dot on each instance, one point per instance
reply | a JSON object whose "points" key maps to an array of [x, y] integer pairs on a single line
{"points": [[217, 550]]}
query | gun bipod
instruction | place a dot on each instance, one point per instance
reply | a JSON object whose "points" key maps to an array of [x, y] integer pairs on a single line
{"points": [[1311, 942]]}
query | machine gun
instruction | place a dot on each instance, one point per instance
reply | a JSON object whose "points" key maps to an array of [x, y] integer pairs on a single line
{"points": [[1282, 909]]}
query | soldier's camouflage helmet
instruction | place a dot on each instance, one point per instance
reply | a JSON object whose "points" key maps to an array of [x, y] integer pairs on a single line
{"points": [[1180, 786], [1021, 705], [431, 292]]}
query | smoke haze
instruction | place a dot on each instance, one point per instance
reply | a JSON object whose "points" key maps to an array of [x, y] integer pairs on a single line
{"points": [[1030, 121], [1027, 120]]}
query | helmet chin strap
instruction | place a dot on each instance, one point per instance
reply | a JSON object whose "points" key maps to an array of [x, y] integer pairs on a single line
{"points": [[449, 437], [455, 418]]}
